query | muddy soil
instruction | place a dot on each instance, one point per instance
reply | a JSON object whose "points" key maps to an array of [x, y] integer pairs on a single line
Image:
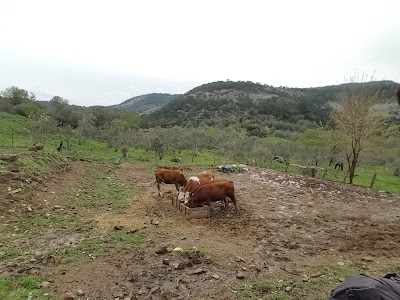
{"points": [[286, 225]]}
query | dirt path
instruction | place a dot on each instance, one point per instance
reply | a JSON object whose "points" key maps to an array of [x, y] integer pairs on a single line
{"points": [[286, 226]]}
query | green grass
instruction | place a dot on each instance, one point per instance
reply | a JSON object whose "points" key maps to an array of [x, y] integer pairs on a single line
{"points": [[13, 132], [102, 191], [9, 253], [316, 288], [22, 288], [93, 150], [114, 241], [57, 219]]}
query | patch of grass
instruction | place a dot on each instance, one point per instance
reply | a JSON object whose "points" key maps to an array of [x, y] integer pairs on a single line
{"points": [[37, 222], [115, 241], [13, 132], [314, 288], [22, 288], [9, 253], [102, 191]]}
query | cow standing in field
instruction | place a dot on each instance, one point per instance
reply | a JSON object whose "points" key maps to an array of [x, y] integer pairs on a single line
{"points": [[194, 181], [218, 190], [170, 177]]}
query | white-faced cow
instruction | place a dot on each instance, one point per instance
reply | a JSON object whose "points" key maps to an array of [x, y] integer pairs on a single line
{"points": [[218, 190], [194, 181], [170, 177]]}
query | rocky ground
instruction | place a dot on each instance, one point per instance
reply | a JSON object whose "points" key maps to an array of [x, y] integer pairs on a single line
{"points": [[289, 228]]}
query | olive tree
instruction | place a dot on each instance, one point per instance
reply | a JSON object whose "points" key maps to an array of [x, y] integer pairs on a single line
{"points": [[358, 116]]}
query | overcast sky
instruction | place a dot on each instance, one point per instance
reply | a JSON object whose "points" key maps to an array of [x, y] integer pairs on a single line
{"points": [[105, 52]]}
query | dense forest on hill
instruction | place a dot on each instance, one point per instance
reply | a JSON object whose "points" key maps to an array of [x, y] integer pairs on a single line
{"points": [[259, 109]]}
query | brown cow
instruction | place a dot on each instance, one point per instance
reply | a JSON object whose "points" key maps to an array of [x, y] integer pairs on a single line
{"points": [[194, 181], [211, 192], [170, 177]]}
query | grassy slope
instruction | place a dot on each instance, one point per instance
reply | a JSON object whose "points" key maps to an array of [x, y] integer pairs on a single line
{"points": [[99, 151]]}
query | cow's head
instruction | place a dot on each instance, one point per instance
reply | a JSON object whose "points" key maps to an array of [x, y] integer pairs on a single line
{"points": [[181, 195]]}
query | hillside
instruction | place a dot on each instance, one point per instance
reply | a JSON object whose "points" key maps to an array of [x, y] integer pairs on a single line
{"points": [[253, 106], [146, 103]]}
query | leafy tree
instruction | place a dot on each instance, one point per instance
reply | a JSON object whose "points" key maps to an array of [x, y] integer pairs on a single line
{"points": [[358, 117], [17, 95]]}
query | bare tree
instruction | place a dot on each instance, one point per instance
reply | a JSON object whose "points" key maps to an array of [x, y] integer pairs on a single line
{"points": [[358, 116]]}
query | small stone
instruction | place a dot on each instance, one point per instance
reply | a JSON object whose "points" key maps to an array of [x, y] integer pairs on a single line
{"points": [[208, 259], [240, 275], [69, 296], [80, 292], [162, 250], [118, 227], [185, 280], [367, 259], [179, 265], [178, 249], [288, 289], [166, 262], [215, 276], [239, 259], [198, 271], [44, 284], [340, 263]]}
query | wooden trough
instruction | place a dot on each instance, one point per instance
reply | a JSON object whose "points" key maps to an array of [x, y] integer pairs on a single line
{"points": [[191, 213]]}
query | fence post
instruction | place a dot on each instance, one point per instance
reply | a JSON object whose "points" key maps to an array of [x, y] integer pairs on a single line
{"points": [[373, 181]]}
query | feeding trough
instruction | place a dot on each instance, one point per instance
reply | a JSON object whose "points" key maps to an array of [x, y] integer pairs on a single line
{"points": [[191, 213]]}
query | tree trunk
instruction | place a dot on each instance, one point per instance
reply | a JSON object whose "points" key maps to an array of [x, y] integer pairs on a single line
{"points": [[353, 165]]}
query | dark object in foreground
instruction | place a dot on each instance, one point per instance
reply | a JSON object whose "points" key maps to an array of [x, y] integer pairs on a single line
{"points": [[364, 287]]}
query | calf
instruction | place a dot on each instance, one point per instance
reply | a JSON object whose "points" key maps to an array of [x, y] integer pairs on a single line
{"points": [[218, 190], [194, 181], [170, 177]]}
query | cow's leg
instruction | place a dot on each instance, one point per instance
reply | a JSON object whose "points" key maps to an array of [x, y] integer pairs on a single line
{"points": [[233, 199], [158, 188]]}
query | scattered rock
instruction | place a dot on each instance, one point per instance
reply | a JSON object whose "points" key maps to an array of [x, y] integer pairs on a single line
{"points": [[208, 259], [198, 271], [185, 280], [69, 296], [215, 276], [288, 289], [340, 263], [15, 191], [162, 250], [118, 227], [179, 265], [44, 284], [178, 249], [367, 259], [239, 259], [240, 275], [80, 293]]}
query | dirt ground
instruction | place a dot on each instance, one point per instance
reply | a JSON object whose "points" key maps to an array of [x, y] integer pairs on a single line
{"points": [[286, 225]]}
